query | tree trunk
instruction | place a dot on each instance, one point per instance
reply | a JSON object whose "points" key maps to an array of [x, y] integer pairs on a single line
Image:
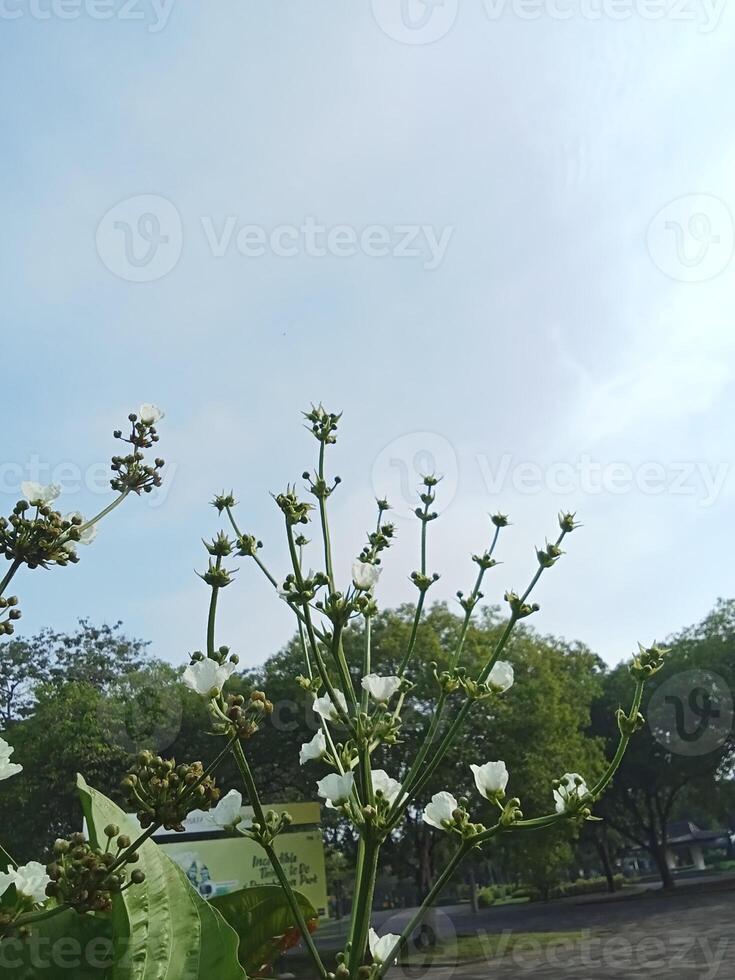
{"points": [[604, 852], [658, 852]]}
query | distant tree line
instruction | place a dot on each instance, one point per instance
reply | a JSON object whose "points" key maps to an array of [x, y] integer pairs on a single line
{"points": [[89, 700]]}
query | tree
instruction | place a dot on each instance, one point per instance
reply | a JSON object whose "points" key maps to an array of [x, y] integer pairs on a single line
{"points": [[664, 765]]}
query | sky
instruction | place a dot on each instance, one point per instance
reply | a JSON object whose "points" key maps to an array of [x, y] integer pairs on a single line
{"points": [[498, 236]]}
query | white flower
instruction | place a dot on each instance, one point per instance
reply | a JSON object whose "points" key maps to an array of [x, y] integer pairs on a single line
{"points": [[228, 812], [336, 789], [365, 576], [325, 706], [30, 881], [7, 768], [88, 535], [440, 810], [381, 947], [381, 689], [314, 749], [572, 789], [491, 779], [207, 677], [384, 784], [38, 493], [150, 414], [501, 676]]}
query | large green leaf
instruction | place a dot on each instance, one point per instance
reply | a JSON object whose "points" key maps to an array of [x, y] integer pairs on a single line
{"points": [[168, 931], [263, 921], [65, 946]]}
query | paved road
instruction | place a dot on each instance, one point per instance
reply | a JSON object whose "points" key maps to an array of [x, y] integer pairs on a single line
{"points": [[688, 935]]}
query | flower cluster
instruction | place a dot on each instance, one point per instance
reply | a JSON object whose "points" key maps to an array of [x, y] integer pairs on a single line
{"points": [[164, 793], [9, 614], [7, 768], [131, 472], [86, 878], [21, 889]]}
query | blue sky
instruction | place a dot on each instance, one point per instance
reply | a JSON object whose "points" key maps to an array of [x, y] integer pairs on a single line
{"points": [[498, 237]]}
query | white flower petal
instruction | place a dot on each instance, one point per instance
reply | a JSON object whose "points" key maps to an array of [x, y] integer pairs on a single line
{"points": [[440, 809], [380, 688], [30, 881], [7, 768], [313, 750], [207, 677], [573, 788], [381, 947], [150, 413], [384, 784], [501, 676], [336, 789], [39, 493], [365, 575], [491, 779], [324, 706]]}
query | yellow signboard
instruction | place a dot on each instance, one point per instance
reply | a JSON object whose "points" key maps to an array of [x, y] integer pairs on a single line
{"points": [[220, 864]]}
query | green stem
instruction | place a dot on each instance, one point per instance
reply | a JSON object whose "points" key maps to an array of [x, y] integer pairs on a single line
{"points": [[17, 562], [361, 913], [105, 511], [252, 791], [603, 782], [427, 903]]}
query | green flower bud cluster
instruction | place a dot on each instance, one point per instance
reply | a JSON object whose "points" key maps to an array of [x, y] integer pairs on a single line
{"points": [[567, 522], [468, 602], [549, 555], [424, 582], [242, 716], [216, 576], [628, 725], [319, 487], [323, 424], [162, 792], [518, 608], [648, 661], [512, 813], [295, 511], [427, 498], [224, 501], [275, 823], [86, 878], [248, 545], [484, 561], [301, 593], [10, 611], [39, 536], [219, 547], [131, 471]]}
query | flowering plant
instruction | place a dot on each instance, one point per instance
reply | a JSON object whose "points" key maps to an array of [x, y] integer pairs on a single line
{"points": [[370, 784], [360, 711]]}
